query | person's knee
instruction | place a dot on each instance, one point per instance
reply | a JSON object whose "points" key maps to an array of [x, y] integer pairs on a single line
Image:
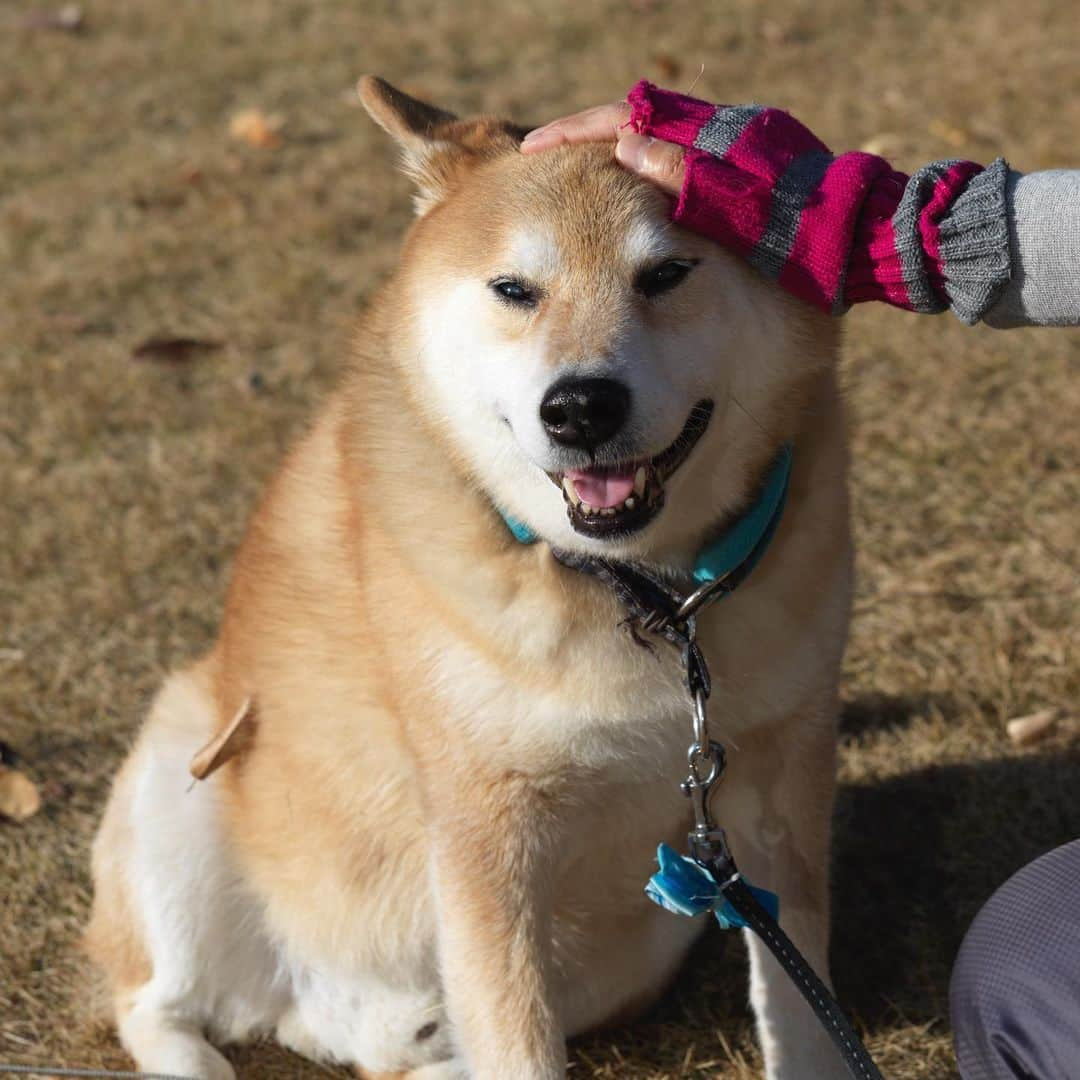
{"points": [[1015, 983], [980, 999]]}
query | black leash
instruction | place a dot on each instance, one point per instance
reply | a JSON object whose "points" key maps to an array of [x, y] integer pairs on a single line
{"points": [[656, 607], [713, 854]]}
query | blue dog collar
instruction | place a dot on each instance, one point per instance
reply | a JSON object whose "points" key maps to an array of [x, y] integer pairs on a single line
{"points": [[520, 531]]}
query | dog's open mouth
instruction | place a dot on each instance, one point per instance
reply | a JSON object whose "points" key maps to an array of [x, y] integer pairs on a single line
{"points": [[615, 500]]}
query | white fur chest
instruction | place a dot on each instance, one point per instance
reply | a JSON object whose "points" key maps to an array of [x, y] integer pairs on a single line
{"points": [[600, 699], [596, 700]]}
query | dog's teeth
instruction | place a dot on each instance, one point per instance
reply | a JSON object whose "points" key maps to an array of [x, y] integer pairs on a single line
{"points": [[629, 504], [571, 491], [639, 480], [587, 509], [608, 511]]}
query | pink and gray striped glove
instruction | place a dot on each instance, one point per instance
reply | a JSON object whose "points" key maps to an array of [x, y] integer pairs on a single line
{"points": [[834, 230]]}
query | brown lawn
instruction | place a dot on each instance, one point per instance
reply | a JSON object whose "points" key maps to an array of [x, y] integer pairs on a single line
{"points": [[127, 212]]}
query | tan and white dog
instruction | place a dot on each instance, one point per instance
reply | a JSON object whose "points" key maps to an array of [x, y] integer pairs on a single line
{"points": [[444, 764]]}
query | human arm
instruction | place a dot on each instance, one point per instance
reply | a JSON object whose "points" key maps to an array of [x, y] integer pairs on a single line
{"points": [[836, 230], [1043, 214]]}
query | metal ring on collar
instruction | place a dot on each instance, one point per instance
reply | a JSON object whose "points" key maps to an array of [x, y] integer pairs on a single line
{"points": [[700, 597]]}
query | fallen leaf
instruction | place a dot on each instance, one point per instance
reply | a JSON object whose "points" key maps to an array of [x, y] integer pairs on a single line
{"points": [[158, 200], [775, 32], [19, 799], [235, 738], [884, 145], [191, 174], [67, 322], [667, 65], [1033, 728], [896, 97], [948, 133], [68, 18], [256, 128], [174, 350]]}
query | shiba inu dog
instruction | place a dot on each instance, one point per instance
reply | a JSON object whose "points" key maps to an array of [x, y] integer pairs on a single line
{"points": [[436, 763]]}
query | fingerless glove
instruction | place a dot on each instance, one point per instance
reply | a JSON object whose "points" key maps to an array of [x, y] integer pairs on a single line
{"points": [[834, 230]]}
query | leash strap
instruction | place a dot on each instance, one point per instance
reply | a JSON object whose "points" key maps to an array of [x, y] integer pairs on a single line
{"points": [[710, 881], [712, 854], [856, 1057]]}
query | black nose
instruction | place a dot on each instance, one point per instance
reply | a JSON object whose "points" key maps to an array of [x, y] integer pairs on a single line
{"points": [[585, 412]]}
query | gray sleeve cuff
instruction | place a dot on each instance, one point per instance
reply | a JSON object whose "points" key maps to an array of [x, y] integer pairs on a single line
{"points": [[973, 245], [1043, 213]]}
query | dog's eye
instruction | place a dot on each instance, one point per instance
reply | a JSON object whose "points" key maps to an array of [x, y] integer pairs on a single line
{"points": [[514, 292], [663, 278]]}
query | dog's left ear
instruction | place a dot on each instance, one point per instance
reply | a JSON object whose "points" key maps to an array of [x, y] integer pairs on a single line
{"points": [[437, 148]]}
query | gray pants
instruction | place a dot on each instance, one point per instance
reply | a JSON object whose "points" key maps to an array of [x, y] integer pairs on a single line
{"points": [[1015, 993]]}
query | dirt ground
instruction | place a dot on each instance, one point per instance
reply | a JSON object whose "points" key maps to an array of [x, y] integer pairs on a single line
{"points": [[126, 211]]}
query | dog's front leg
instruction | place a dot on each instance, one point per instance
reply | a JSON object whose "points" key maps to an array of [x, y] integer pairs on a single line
{"points": [[492, 847], [776, 805]]}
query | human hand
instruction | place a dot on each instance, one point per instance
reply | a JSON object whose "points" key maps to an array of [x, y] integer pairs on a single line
{"points": [[832, 230], [655, 160]]}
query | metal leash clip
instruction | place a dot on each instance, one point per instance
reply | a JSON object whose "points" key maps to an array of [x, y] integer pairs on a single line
{"points": [[705, 757]]}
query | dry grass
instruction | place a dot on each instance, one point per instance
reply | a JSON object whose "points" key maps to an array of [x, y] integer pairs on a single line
{"points": [[125, 211]]}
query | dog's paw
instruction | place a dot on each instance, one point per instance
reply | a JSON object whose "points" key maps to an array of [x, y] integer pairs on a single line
{"points": [[440, 1070], [437, 1070], [197, 1060], [214, 1066]]}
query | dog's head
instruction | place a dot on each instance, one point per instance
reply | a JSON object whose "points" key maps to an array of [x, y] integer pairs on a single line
{"points": [[611, 380]]}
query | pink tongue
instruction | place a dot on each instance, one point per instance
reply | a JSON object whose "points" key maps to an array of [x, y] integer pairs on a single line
{"points": [[602, 489]]}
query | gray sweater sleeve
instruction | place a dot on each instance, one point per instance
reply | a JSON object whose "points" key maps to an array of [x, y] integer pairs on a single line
{"points": [[1043, 214]]}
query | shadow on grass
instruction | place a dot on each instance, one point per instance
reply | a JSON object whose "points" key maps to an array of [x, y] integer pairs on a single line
{"points": [[917, 856], [914, 859], [885, 712]]}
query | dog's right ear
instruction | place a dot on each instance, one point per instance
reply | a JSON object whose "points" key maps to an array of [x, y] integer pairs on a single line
{"points": [[433, 152]]}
